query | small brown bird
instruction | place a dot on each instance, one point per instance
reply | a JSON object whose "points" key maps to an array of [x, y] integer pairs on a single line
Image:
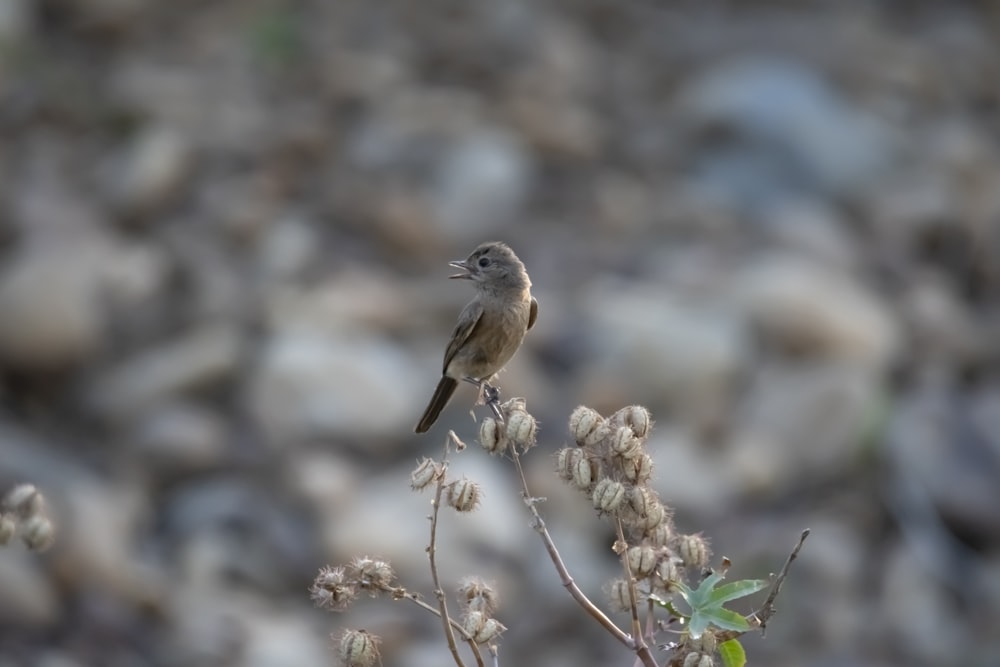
{"points": [[490, 328]]}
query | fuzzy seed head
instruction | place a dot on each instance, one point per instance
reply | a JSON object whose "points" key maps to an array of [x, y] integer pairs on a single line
{"points": [[661, 533], [691, 659], [669, 574], [625, 444], [425, 473], [656, 515], [372, 574], [618, 595], [521, 429], [566, 461], [636, 418], [638, 470], [491, 436], [332, 590], [24, 500], [706, 660], [463, 495], [693, 550], [641, 560], [8, 526], [491, 630], [38, 533], [608, 495], [587, 426], [583, 472], [477, 595], [358, 648]]}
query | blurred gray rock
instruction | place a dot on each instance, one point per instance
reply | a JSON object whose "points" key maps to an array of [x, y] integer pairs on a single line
{"points": [[17, 19], [181, 438], [800, 422], [151, 169], [651, 343], [307, 385], [480, 184], [770, 124], [813, 230], [52, 317], [200, 358], [809, 309]]}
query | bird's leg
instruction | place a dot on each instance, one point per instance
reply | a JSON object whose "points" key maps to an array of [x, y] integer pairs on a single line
{"points": [[492, 396], [488, 395]]}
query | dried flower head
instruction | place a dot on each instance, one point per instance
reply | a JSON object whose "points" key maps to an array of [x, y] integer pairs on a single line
{"points": [[642, 560], [426, 472], [8, 526], [24, 500], [694, 551], [638, 470], [625, 444], [619, 596], [371, 574], [636, 417], [38, 533], [608, 495], [476, 595], [584, 471], [492, 436], [332, 589], [358, 648], [463, 495], [587, 426], [521, 428]]}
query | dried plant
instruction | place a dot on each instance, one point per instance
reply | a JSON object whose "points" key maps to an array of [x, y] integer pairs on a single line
{"points": [[611, 469]]}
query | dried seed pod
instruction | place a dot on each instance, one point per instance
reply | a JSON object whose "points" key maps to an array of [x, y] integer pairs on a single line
{"points": [[37, 533], [693, 550], [7, 528], [641, 560], [333, 589], [608, 495], [625, 444], [371, 573], [463, 495], [618, 594], [638, 470], [492, 436], [636, 417], [583, 472], [660, 533], [521, 429], [425, 473], [24, 500], [489, 631], [477, 595], [587, 426], [358, 648]]}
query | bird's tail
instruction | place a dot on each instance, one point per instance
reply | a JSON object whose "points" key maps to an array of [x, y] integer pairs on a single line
{"points": [[445, 388]]}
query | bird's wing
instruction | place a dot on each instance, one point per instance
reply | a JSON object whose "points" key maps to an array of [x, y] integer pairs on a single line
{"points": [[468, 320], [532, 313]]}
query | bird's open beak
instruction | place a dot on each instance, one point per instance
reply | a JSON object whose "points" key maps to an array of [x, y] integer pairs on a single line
{"points": [[467, 275]]}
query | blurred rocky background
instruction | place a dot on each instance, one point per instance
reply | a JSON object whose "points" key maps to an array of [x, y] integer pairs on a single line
{"points": [[223, 303]]}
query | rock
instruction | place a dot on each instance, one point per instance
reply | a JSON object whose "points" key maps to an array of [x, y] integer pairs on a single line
{"points": [[800, 422], [813, 230], [199, 359], [782, 125], [51, 317], [815, 311], [17, 18], [152, 169], [288, 248], [181, 438], [653, 344], [481, 183], [308, 385]]}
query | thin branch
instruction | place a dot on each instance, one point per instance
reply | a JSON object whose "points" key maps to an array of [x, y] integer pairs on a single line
{"points": [[567, 580], [630, 581], [431, 554], [768, 610]]}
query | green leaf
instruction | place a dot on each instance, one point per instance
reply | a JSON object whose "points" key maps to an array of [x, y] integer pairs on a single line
{"points": [[698, 624], [737, 589], [701, 596], [732, 654], [724, 618]]}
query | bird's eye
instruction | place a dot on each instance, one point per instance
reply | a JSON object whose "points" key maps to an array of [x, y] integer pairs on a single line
{"points": [[484, 262]]}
